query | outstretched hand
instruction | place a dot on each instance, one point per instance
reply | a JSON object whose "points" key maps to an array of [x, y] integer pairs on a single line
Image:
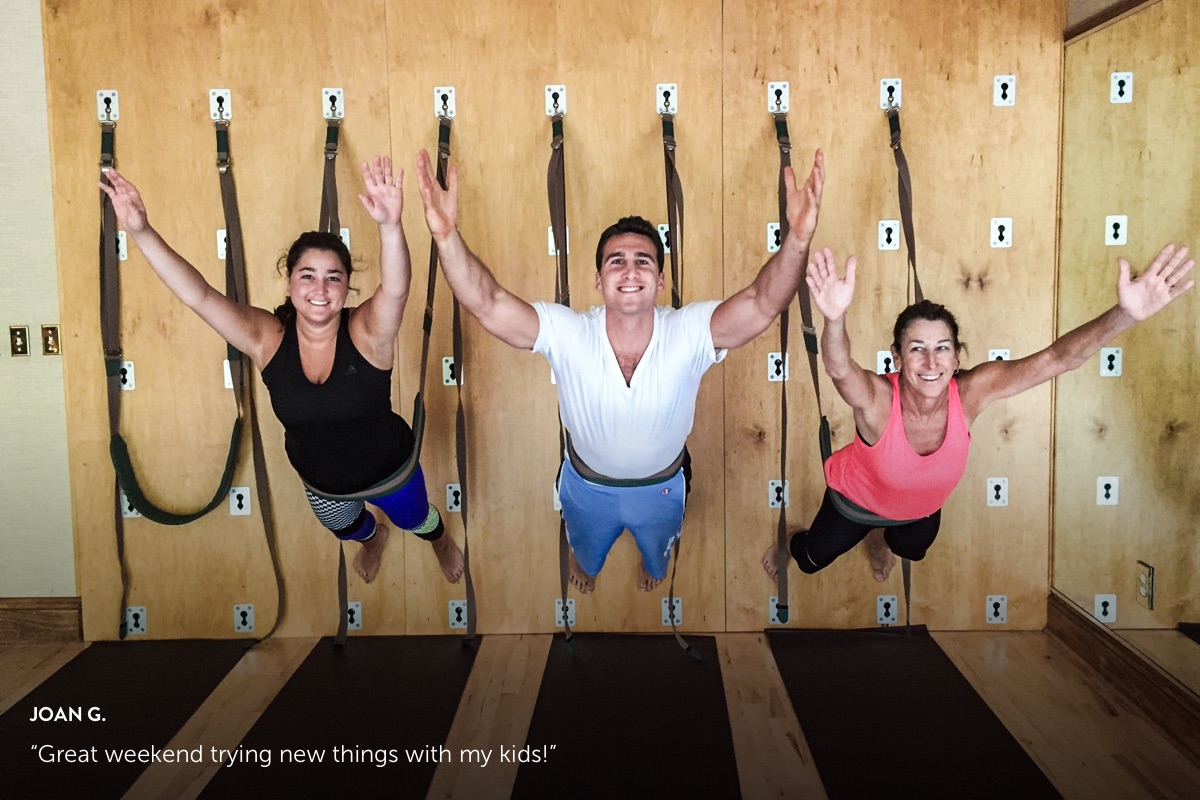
{"points": [[441, 205], [804, 202], [384, 192], [1161, 283], [127, 203], [831, 292]]}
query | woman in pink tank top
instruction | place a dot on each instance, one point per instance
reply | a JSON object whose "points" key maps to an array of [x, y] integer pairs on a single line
{"points": [[912, 425]]}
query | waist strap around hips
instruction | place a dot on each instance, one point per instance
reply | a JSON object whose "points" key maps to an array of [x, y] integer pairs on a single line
{"points": [[589, 474]]}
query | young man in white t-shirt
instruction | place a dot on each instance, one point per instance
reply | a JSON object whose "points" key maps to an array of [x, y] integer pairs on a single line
{"points": [[627, 371]]}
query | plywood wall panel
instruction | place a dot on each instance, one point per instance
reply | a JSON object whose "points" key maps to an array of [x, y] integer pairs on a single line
{"points": [[1142, 427]]}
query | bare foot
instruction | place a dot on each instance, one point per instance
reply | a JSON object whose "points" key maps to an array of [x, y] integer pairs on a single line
{"points": [[882, 558], [367, 562], [776, 558], [646, 581], [579, 579], [449, 556]]}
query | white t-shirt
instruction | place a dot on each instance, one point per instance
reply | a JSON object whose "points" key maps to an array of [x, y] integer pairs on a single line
{"points": [[627, 431]]}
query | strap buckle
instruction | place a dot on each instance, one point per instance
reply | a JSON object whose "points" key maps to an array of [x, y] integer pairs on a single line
{"points": [[331, 138], [107, 130], [223, 160]]}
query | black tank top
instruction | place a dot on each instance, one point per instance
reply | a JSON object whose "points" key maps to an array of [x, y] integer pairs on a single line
{"points": [[341, 435]]}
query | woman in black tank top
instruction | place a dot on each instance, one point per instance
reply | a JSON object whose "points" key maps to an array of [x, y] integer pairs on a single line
{"points": [[327, 367]]}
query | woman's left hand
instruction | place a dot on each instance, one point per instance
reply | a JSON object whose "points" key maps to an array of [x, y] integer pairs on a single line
{"points": [[384, 198], [1161, 283]]}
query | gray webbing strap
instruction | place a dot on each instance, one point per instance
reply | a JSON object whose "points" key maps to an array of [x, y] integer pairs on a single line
{"points": [[556, 193], [329, 221], [904, 189], [781, 531], [235, 276], [674, 209]]}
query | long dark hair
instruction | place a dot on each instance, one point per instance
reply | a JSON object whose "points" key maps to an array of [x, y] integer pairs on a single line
{"points": [[311, 240]]}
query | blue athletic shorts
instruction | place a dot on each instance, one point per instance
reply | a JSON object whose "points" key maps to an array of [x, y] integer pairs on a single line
{"points": [[596, 515]]}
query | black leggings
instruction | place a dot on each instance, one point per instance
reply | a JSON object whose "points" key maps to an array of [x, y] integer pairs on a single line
{"points": [[832, 534]]}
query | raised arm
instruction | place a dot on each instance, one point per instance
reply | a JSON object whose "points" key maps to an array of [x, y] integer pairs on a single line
{"points": [[245, 327], [502, 314], [748, 312], [1162, 282], [864, 391], [375, 323]]}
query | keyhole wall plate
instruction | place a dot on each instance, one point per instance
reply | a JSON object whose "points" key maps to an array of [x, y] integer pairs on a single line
{"points": [[885, 363], [458, 614], [774, 237], [1110, 362], [1105, 608], [997, 492], [999, 354], [1116, 230], [448, 372], [128, 382], [550, 248], [556, 99], [443, 102], [1004, 92], [220, 104], [778, 97], [354, 616], [243, 618], [664, 234], [1108, 490], [239, 501], [1002, 232], [886, 612], [667, 98], [559, 614], [890, 93], [135, 620], [127, 509], [1120, 88], [889, 234], [333, 103], [108, 109], [453, 498], [778, 365], [997, 609], [779, 493]]}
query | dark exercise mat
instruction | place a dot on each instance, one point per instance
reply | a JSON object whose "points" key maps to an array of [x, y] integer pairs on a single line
{"points": [[889, 715], [630, 716], [351, 715], [1190, 630], [144, 691]]}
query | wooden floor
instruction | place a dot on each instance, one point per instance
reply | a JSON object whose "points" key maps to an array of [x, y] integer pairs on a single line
{"points": [[1087, 738]]}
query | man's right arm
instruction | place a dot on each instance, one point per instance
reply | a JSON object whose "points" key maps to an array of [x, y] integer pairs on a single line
{"points": [[502, 314]]}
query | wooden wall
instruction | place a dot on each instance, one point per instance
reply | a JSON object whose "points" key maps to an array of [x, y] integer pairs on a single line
{"points": [[971, 162], [1144, 426]]}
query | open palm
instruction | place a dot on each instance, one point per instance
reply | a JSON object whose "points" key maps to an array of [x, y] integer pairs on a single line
{"points": [[831, 292], [1161, 283], [383, 196], [441, 205]]}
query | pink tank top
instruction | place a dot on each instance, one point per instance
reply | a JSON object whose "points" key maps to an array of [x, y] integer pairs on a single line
{"points": [[890, 478]]}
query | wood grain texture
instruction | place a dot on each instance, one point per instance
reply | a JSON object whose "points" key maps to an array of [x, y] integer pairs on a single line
{"points": [[26, 665], [40, 619], [1143, 427]]}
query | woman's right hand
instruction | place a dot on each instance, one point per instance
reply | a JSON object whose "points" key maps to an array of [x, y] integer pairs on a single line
{"points": [[831, 292], [127, 203]]}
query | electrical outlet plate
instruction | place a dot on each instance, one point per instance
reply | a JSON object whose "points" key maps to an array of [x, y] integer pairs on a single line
{"points": [[108, 107], [239, 501], [666, 98], [448, 372], [122, 246], [1116, 230], [1004, 92], [220, 104], [127, 509], [18, 340], [889, 234], [1001, 235], [1108, 490], [333, 103], [886, 610], [778, 367], [558, 612], [884, 363], [1110, 362], [354, 616], [1145, 585], [774, 237], [344, 235], [228, 374], [1120, 88], [135, 620], [997, 492], [999, 354], [550, 248], [243, 618], [51, 341], [997, 609], [778, 97], [1105, 608], [128, 377], [779, 494], [458, 614], [890, 93], [666, 611], [453, 498], [556, 99], [443, 101], [222, 244], [664, 235], [774, 614]]}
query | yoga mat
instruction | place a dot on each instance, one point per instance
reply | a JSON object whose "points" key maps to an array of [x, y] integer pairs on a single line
{"points": [[630, 716], [144, 691], [1190, 630], [889, 715], [350, 716]]}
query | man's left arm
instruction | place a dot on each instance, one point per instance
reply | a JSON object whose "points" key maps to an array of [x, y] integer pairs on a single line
{"points": [[748, 312]]}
